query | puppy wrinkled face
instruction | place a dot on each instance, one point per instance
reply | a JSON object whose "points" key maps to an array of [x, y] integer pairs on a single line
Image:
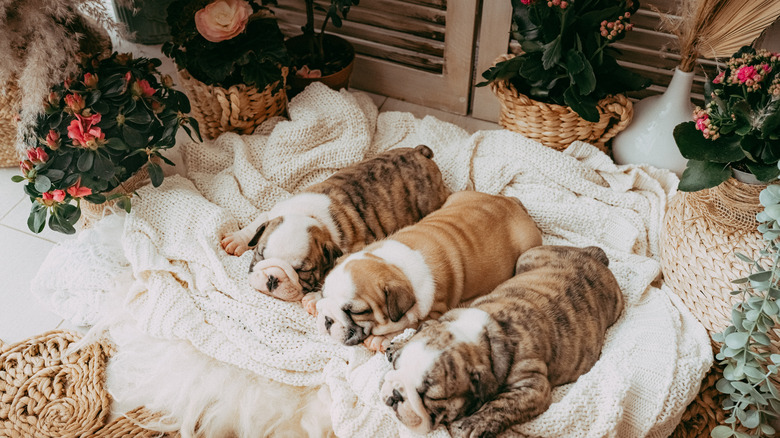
{"points": [[291, 257], [434, 379], [363, 295]]}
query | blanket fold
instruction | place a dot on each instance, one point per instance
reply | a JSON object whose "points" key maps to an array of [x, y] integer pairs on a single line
{"points": [[187, 288]]}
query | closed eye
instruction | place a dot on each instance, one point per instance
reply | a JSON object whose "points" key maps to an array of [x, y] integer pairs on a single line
{"points": [[362, 312]]}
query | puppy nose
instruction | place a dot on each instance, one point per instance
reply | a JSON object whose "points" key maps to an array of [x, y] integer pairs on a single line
{"points": [[394, 399], [328, 323], [272, 283]]}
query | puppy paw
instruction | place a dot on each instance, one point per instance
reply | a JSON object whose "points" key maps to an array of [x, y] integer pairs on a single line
{"points": [[235, 243], [309, 302], [471, 427], [377, 343]]}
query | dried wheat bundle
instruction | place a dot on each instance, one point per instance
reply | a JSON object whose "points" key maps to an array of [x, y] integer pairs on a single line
{"points": [[717, 28], [39, 43]]}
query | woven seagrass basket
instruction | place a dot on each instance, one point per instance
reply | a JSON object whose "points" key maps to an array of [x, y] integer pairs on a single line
{"points": [[702, 231], [239, 108], [91, 213], [9, 110], [557, 126]]}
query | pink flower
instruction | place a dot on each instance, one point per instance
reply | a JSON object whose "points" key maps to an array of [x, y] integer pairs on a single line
{"points": [[128, 77], [746, 73], [25, 166], [83, 133], [75, 102], [143, 89], [77, 191], [526, 2], [304, 72], [222, 20], [701, 122], [90, 80], [719, 78], [55, 195], [37, 155], [53, 139]]}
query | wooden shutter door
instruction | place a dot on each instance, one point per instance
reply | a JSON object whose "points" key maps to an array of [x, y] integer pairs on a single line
{"points": [[419, 51]]}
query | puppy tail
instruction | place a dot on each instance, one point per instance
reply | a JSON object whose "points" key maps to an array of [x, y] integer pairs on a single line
{"points": [[425, 151], [597, 253]]}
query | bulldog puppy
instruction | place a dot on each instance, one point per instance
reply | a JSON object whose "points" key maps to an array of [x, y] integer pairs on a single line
{"points": [[304, 234], [482, 369], [455, 254]]}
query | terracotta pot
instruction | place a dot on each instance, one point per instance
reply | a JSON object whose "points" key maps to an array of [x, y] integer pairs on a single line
{"points": [[338, 80]]}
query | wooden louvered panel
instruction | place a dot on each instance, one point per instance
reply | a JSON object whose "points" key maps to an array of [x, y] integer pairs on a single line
{"points": [[416, 50]]}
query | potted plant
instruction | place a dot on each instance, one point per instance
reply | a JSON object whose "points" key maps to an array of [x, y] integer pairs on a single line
{"points": [[144, 20], [568, 67], [99, 128], [739, 128], [320, 57], [41, 42], [232, 62]]}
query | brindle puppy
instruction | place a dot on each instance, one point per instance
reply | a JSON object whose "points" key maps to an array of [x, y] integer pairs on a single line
{"points": [[482, 369], [303, 235]]}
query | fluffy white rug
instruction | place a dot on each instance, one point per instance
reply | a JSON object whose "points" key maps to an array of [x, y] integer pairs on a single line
{"points": [[185, 288]]}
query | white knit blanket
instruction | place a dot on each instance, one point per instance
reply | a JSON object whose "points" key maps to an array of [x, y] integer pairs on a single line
{"points": [[187, 287]]}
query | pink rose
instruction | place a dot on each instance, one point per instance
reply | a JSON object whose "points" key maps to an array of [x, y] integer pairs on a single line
{"points": [[37, 155], [143, 89], [222, 19], [77, 191], [746, 73], [83, 133], [75, 102]]}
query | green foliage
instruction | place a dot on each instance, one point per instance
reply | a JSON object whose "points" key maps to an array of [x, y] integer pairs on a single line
{"points": [[99, 128], [255, 56], [753, 398], [567, 59], [740, 126]]}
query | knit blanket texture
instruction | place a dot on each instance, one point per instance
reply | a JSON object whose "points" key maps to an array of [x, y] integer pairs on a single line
{"points": [[186, 287]]}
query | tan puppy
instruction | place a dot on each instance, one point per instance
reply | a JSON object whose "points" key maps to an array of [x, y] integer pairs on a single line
{"points": [[304, 234], [482, 369], [455, 254]]}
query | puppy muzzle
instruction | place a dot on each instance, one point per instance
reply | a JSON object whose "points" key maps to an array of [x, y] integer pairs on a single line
{"points": [[406, 403], [277, 278]]}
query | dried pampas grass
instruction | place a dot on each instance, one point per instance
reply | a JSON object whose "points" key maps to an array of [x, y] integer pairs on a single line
{"points": [[39, 43], [718, 28]]}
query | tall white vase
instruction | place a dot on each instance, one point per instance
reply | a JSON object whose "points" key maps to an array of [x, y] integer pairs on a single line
{"points": [[648, 139]]}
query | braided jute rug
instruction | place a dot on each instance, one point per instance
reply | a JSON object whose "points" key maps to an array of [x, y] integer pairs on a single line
{"points": [[45, 392]]}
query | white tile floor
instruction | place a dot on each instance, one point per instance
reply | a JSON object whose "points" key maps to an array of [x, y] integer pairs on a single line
{"points": [[22, 252]]}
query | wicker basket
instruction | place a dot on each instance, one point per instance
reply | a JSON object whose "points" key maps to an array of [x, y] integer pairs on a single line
{"points": [[9, 111], [702, 231], [91, 213], [239, 108], [558, 126]]}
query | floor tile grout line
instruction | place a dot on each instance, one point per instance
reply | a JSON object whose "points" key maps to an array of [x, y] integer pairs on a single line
{"points": [[12, 208]]}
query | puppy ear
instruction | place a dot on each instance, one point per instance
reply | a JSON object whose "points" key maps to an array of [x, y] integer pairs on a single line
{"points": [[399, 298], [258, 234], [424, 150], [500, 348], [331, 252]]}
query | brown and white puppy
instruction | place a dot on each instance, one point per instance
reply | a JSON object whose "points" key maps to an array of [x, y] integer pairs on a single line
{"points": [[304, 234], [481, 369], [455, 254]]}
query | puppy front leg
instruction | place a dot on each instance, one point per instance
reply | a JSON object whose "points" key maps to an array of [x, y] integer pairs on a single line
{"points": [[526, 395], [379, 343], [237, 242]]}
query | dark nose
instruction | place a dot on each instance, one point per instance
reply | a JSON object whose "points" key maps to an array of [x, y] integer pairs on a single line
{"points": [[394, 399], [272, 283], [328, 323]]}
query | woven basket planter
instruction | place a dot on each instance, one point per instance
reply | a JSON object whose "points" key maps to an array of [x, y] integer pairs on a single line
{"points": [[239, 108], [557, 126], [702, 231], [91, 213], [9, 111]]}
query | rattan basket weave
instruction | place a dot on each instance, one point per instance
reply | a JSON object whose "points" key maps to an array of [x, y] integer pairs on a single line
{"points": [[558, 126], [9, 111], [239, 108], [91, 213]]}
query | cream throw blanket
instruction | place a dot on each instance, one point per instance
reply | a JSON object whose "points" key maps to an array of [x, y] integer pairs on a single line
{"points": [[186, 287]]}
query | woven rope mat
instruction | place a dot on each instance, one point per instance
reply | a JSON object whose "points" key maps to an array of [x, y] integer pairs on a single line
{"points": [[44, 393]]}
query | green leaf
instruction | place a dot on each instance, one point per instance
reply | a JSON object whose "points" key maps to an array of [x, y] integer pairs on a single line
{"points": [[61, 224], [764, 172], [85, 161], [721, 431], [737, 340], [694, 146], [116, 144], [752, 420], [724, 386], [584, 106], [762, 339], [42, 183], [17, 178], [134, 137], [37, 219], [700, 175], [156, 174], [551, 53], [760, 276]]}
